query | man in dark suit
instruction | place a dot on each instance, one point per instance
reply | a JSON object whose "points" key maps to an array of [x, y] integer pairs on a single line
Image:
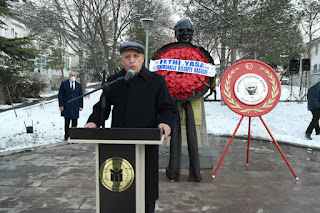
{"points": [[313, 96], [142, 102], [70, 111]]}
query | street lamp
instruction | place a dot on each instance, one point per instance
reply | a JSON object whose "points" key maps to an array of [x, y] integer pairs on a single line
{"points": [[147, 25]]}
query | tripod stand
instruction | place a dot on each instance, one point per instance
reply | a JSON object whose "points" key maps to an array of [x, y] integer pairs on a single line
{"points": [[291, 90], [274, 141], [303, 92]]}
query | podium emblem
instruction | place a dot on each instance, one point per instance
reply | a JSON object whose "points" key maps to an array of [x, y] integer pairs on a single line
{"points": [[116, 174]]}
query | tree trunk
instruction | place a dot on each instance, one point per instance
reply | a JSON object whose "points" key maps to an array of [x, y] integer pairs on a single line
{"points": [[309, 56], [234, 30], [222, 63], [81, 56]]}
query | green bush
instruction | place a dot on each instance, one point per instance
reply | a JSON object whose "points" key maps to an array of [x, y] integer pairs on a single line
{"points": [[32, 84], [25, 85]]}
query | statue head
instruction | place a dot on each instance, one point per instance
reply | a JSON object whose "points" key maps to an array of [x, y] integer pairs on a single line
{"points": [[184, 31]]}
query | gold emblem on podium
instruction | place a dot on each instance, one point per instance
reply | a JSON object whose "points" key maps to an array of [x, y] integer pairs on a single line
{"points": [[116, 174]]}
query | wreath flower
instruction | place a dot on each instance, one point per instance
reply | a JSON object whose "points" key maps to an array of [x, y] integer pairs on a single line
{"points": [[183, 85]]}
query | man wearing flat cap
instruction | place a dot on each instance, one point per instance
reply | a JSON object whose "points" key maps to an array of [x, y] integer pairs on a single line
{"points": [[142, 102]]}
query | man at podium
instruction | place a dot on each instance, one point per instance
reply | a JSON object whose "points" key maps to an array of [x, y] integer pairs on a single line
{"points": [[141, 100]]}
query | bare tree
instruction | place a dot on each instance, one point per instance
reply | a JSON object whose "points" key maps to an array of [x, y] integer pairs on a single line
{"points": [[162, 31], [93, 25], [310, 12], [263, 30], [218, 25]]}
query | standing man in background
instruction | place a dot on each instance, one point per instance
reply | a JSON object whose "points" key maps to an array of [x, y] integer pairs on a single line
{"points": [[313, 96], [70, 89]]}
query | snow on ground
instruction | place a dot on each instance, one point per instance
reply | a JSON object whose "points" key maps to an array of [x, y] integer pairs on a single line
{"points": [[47, 124], [287, 122]]}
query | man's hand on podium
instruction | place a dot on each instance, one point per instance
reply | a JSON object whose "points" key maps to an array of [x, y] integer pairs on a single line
{"points": [[166, 128], [90, 125]]}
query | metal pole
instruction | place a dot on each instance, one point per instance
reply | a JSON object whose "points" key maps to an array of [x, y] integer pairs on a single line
{"points": [[146, 61], [277, 145], [226, 150], [305, 87], [11, 101], [248, 147]]}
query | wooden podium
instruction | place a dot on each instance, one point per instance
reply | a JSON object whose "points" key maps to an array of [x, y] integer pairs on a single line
{"points": [[120, 165]]}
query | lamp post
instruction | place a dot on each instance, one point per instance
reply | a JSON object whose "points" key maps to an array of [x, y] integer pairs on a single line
{"points": [[147, 25]]}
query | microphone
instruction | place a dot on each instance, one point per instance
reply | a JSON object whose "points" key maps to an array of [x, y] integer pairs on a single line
{"points": [[129, 75]]}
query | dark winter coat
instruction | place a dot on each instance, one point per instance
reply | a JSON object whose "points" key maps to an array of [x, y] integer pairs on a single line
{"points": [[143, 102], [65, 94], [313, 96]]}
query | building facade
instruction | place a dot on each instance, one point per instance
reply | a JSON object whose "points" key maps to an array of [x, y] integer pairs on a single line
{"points": [[14, 28], [312, 76], [315, 61]]}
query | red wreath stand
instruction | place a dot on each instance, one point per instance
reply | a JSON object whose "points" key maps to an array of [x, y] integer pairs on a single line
{"points": [[251, 88]]}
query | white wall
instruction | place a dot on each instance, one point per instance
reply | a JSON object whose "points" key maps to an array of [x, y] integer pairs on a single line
{"points": [[13, 28], [315, 59], [314, 66], [315, 62]]}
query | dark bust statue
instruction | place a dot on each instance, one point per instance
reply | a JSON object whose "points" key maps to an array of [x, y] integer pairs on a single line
{"points": [[184, 31]]}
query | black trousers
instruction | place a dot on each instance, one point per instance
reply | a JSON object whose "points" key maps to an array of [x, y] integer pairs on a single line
{"points": [[173, 170], [212, 90], [149, 207], [314, 124], [74, 123]]}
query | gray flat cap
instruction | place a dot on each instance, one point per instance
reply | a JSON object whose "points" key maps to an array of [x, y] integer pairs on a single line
{"points": [[131, 46]]}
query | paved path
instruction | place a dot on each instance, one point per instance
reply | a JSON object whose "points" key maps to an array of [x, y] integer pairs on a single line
{"points": [[61, 180]]}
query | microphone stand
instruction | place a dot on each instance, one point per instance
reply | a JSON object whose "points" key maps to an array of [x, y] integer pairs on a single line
{"points": [[103, 102], [105, 85]]}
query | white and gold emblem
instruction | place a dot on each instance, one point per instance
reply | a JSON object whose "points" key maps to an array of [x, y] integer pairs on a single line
{"points": [[116, 174], [251, 89]]}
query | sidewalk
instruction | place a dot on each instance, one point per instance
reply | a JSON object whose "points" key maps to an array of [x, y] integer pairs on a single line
{"points": [[61, 180]]}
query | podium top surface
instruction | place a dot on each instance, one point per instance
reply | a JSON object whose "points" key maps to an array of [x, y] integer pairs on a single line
{"points": [[116, 135]]}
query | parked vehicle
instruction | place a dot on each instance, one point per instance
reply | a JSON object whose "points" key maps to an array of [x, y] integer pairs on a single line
{"points": [[285, 81]]}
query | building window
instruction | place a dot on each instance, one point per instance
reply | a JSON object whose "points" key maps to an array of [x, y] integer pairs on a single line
{"points": [[2, 31], [316, 50], [12, 32], [315, 68], [67, 61]]}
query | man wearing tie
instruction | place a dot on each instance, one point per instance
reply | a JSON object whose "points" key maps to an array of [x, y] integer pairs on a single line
{"points": [[70, 89]]}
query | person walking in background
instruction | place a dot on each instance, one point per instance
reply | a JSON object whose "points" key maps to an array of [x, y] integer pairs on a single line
{"points": [[213, 89], [70, 89], [313, 97]]}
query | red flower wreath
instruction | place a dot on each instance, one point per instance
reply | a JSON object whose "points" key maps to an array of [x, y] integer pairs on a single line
{"points": [[183, 85]]}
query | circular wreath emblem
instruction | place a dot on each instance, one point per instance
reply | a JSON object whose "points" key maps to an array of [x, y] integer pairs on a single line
{"points": [[250, 88], [184, 86]]}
